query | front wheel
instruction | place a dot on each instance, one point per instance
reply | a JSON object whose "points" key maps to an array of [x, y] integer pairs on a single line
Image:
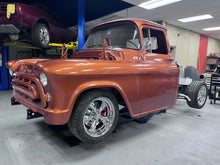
{"points": [[40, 35], [197, 92], [94, 116]]}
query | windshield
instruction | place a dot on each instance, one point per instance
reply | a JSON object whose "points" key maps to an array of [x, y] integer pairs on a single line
{"points": [[120, 35]]}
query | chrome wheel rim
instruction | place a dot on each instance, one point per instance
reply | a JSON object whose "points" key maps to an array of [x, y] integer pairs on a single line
{"points": [[202, 95], [44, 36], [99, 117]]}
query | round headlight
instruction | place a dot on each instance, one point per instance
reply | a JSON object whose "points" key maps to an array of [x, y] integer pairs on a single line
{"points": [[10, 71], [43, 79]]}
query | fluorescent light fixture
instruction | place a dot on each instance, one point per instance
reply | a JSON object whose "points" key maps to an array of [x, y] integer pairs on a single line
{"points": [[196, 18], [212, 29], [152, 4]]}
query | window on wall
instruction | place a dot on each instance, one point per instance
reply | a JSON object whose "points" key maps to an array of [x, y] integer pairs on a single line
{"points": [[157, 40]]}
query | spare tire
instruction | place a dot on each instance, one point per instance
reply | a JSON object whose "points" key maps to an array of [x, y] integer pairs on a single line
{"points": [[197, 92], [192, 73]]}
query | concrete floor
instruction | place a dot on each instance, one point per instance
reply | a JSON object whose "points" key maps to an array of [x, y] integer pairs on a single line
{"points": [[181, 136]]}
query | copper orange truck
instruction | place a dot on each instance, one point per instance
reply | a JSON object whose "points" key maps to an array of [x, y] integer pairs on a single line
{"points": [[124, 62]]}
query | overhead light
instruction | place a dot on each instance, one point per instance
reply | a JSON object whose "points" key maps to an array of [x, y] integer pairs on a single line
{"points": [[212, 29], [152, 4], [196, 18]]}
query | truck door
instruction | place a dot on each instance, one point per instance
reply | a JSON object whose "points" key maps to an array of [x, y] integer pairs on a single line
{"points": [[159, 76]]}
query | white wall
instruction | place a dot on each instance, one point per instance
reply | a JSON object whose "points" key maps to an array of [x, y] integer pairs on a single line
{"points": [[187, 45], [213, 46]]}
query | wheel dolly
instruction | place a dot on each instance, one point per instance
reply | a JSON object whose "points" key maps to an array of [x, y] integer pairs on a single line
{"points": [[214, 88]]}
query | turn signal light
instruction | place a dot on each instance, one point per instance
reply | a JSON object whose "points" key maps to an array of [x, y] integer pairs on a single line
{"points": [[46, 97]]}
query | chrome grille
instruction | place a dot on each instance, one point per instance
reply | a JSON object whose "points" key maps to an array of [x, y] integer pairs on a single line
{"points": [[27, 89]]}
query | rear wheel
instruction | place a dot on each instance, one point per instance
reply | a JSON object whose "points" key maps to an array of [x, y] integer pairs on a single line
{"points": [[94, 117], [197, 92]]}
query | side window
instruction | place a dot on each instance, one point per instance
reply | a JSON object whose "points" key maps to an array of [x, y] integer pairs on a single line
{"points": [[156, 40]]}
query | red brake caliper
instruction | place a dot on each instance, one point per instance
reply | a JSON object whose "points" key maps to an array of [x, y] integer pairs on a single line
{"points": [[104, 112]]}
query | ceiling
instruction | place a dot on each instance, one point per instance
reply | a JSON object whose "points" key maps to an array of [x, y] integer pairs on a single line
{"points": [[170, 14], [67, 10]]}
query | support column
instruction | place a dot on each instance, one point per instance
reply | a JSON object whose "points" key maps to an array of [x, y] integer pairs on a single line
{"points": [[81, 23], [3, 69], [8, 59]]}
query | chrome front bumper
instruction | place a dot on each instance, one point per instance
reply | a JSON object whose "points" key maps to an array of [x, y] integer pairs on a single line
{"points": [[9, 29]]}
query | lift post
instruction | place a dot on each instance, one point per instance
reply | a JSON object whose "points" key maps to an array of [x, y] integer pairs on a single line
{"points": [[81, 23], [8, 59], [5, 77]]}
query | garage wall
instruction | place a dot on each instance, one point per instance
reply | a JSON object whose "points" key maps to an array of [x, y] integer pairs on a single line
{"points": [[213, 46], [187, 45], [14, 51]]}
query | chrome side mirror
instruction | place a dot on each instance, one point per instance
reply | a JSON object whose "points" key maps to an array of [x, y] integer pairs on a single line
{"points": [[148, 45]]}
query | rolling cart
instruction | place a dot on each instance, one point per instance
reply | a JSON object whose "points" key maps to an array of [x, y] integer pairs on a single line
{"points": [[214, 88]]}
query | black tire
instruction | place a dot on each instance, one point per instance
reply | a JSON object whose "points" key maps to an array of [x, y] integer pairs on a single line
{"points": [[194, 90], [80, 128], [192, 73], [41, 41]]}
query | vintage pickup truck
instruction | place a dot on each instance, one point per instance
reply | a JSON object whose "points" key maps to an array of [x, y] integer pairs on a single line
{"points": [[124, 62]]}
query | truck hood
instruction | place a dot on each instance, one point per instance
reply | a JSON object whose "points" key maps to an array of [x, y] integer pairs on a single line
{"points": [[80, 66], [14, 64], [76, 66]]}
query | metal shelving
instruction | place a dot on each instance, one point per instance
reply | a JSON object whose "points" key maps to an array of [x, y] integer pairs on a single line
{"points": [[211, 62]]}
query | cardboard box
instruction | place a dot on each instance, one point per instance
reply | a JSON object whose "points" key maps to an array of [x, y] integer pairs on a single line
{"points": [[217, 54]]}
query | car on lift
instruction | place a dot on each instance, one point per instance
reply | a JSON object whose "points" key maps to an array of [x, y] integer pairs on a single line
{"points": [[124, 62], [31, 23]]}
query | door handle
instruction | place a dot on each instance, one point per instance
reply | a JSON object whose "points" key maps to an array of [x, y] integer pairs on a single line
{"points": [[169, 59]]}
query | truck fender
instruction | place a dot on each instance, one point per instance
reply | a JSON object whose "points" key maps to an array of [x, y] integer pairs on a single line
{"points": [[96, 84]]}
